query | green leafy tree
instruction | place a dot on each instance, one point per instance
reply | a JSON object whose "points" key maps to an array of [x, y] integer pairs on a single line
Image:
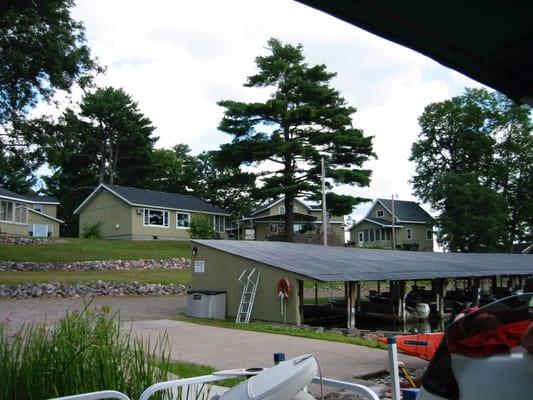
{"points": [[43, 50], [472, 147], [223, 186], [109, 141], [202, 227], [174, 170], [286, 136]]}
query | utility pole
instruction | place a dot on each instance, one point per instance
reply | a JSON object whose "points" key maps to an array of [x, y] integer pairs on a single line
{"points": [[393, 228], [324, 210]]}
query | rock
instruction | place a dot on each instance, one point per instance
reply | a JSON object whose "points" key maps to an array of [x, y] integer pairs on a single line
{"points": [[353, 332], [319, 330]]}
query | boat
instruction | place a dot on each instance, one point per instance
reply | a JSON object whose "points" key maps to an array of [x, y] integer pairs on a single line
{"points": [[422, 345], [487, 354]]}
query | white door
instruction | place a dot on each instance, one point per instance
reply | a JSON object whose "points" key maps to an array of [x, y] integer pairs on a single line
{"points": [[40, 230], [360, 236]]}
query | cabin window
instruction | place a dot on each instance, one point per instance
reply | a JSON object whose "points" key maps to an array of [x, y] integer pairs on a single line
{"points": [[156, 218], [429, 234], [20, 213], [13, 212], [281, 209], [219, 222], [378, 235], [379, 213], [274, 229], [183, 220], [408, 233], [38, 207], [371, 235], [366, 238]]}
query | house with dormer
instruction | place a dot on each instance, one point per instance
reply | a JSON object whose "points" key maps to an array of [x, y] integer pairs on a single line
{"points": [[28, 215], [142, 214], [267, 222], [396, 224]]}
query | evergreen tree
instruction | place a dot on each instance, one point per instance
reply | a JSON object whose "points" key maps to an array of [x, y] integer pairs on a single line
{"points": [[286, 136], [109, 141]]}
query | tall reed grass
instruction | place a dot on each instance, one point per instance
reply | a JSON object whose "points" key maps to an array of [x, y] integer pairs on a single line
{"points": [[83, 352]]}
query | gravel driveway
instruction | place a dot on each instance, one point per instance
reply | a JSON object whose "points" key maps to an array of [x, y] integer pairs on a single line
{"points": [[132, 308]]}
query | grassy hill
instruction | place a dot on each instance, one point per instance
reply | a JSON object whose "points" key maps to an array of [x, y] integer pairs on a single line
{"points": [[93, 249]]}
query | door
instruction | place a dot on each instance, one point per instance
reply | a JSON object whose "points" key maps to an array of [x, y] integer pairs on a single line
{"points": [[360, 236]]}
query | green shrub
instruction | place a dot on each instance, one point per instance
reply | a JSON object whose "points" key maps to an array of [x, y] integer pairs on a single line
{"points": [[202, 227], [93, 231], [83, 352]]}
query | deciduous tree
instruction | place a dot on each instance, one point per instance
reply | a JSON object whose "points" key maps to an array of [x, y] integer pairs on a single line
{"points": [[474, 163]]}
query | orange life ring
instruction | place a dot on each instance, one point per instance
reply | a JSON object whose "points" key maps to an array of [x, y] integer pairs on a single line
{"points": [[284, 287]]}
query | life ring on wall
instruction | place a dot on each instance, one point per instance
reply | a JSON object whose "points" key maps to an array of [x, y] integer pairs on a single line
{"points": [[284, 289]]}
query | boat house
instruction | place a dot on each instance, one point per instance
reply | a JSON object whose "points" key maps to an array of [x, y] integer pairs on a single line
{"points": [[218, 264]]}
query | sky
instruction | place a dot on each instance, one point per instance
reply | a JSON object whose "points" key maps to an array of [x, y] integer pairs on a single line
{"points": [[177, 59]]}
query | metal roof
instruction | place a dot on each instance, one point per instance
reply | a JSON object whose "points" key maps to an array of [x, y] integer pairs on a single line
{"points": [[27, 198], [348, 264], [152, 198]]}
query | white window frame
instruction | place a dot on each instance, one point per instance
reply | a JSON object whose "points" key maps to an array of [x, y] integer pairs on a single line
{"points": [[14, 206], [430, 236], [378, 213], [281, 209], [38, 207], [188, 220], [148, 210], [409, 234], [223, 223]]}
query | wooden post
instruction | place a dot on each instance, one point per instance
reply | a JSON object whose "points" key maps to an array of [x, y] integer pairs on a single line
{"points": [[379, 287], [316, 294], [358, 296], [475, 292], [350, 305], [301, 301], [494, 284]]}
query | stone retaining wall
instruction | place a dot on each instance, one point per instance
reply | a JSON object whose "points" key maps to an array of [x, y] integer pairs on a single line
{"points": [[29, 240], [88, 289], [174, 263]]}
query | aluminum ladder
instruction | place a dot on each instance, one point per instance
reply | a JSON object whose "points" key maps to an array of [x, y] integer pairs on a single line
{"points": [[249, 282]]}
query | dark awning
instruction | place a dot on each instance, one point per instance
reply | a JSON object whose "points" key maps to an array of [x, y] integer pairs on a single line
{"points": [[329, 263], [490, 41]]}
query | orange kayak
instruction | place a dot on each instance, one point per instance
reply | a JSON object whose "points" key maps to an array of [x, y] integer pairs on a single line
{"points": [[422, 345]]}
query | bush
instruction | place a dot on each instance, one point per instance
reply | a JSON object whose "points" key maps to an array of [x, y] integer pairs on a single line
{"points": [[83, 352], [92, 231], [202, 227]]}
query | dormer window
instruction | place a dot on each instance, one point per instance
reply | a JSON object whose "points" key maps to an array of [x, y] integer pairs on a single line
{"points": [[379, 213], [38, 207], [281, 209]]}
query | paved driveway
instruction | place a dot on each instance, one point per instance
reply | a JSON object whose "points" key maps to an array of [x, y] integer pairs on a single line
{"points": [[131, 308], [218, 347]]}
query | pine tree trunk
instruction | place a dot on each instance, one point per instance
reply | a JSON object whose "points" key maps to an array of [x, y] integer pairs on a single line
{"points": [[289, 218]]}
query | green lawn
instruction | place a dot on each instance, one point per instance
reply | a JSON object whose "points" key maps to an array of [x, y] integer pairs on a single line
{"points": [[93, 249], [146, 276], [189, 370]]}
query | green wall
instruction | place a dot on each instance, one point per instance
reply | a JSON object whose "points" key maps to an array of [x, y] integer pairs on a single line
{"points": [[222, 271]]}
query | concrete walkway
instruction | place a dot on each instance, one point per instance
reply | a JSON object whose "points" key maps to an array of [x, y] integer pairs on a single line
{"points": [[230, 348]]}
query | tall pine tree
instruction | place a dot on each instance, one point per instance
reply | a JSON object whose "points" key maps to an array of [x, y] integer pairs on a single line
{"points": [[286, 136]]}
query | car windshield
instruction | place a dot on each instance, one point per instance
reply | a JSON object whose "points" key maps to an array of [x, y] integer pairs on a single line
{"points": [[492, 329]]}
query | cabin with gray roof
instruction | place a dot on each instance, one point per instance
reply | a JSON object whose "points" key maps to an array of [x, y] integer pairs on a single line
{"points": [[142, 214], [268, 222], [28, 215], [413, 226]]}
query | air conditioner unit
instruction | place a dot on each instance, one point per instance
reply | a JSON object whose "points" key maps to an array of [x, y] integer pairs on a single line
{"points": [[139, 210]]}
